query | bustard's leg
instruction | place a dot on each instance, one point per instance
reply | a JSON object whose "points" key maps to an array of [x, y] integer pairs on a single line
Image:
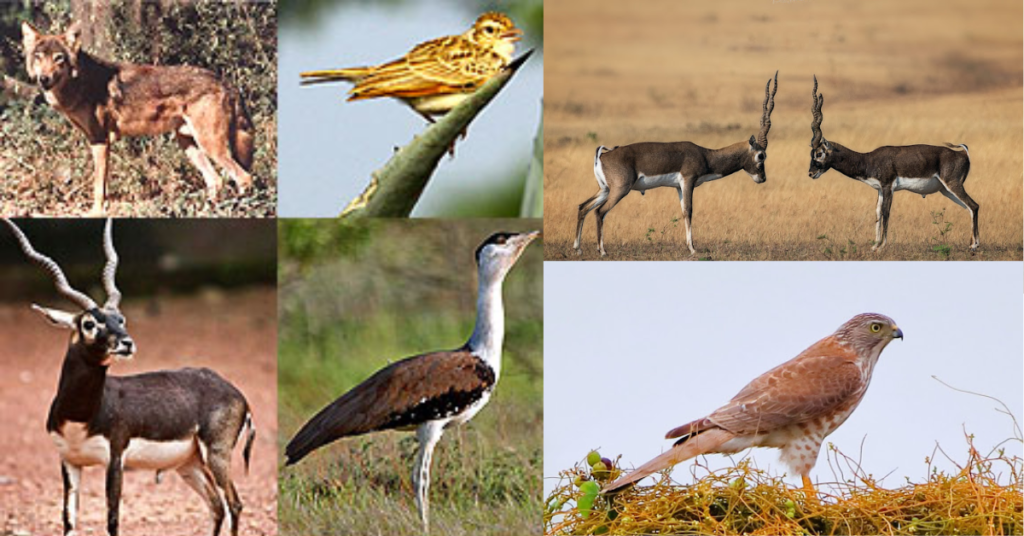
{"points": [[809, 491], [428, 434]]}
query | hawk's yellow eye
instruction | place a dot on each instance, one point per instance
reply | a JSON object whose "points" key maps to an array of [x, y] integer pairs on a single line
{"points": [[876, 327]]}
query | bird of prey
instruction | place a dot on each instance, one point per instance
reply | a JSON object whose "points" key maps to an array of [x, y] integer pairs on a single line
{"points": [[792, 407]]}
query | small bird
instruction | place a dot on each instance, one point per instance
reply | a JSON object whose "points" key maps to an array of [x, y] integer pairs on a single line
{"points": [[431, 391], [792, 407], [437, 75]]}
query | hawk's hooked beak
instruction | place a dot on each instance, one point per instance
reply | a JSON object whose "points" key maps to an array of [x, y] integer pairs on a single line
{"points": [[897, 333]]}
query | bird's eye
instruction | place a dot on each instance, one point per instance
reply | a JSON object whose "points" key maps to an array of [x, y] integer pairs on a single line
{"points": [[489, 29], [501, 240], [876, 327]]}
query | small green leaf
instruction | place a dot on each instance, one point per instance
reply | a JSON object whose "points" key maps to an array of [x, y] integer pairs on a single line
{"points": [[590, 490]]}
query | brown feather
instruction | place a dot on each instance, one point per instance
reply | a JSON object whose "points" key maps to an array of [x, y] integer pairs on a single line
{"points": [[705, 442], [403, 394]]}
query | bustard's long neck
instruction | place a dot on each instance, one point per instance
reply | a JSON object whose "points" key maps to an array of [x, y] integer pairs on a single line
{"points": [[489, 332]]}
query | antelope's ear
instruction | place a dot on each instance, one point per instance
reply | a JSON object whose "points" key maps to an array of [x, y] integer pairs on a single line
{"points": [[29, 35], [751, 140], [824, 142], [60, 319]]}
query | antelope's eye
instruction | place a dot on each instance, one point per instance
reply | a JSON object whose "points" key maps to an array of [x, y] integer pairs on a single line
{"points": [[88, 325], [876, 327]]}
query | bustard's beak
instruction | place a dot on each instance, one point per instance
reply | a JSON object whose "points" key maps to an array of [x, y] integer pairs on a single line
{"points": [[897, 333]]}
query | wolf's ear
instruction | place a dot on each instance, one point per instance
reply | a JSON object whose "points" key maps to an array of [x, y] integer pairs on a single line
{"points": [[73, 36], [29, 35]]}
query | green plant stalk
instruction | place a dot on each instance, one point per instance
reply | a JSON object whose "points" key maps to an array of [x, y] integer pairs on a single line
{"points": [[533, 192], [394, 189]]}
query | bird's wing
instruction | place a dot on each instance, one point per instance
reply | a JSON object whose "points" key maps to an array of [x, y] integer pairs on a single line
{"points": [[820, 379], [405, 393], [446, 65]]}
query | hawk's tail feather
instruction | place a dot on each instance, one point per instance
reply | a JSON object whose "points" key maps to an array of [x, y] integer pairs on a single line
{"points": [[701, 443]]}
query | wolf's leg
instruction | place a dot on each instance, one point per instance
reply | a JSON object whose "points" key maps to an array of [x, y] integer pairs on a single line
{"points": [[199, 160], [210, 121], [100, 157]]}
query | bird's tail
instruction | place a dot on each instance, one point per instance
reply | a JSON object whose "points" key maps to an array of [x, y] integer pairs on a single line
{"points": [[353, 74], [699, 444]]}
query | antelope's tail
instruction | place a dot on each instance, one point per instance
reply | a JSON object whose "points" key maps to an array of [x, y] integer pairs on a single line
{"points": [[964, 145], [699, 444]]}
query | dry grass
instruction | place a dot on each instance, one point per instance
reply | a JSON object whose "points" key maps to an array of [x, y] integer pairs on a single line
{"points": [[695, 71], [982, 497]]}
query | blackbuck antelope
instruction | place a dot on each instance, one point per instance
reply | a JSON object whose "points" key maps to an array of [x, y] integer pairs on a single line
{"points": [[922, 169], [432, 391], [188, 420], [681, 165]]}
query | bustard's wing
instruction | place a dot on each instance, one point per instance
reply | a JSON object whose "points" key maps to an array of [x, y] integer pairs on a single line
{"points": [[405, 393]]}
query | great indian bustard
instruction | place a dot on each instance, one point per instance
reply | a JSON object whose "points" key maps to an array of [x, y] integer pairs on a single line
{"points": [[427, 392]]}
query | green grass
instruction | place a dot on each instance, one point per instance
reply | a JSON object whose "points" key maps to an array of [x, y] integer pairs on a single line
{"points": [[486, 475]]}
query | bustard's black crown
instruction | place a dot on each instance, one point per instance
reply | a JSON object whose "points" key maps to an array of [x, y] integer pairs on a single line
{"points": [[499, 238]]}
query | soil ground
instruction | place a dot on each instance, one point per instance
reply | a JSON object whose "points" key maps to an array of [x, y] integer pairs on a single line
{"points": [[234, 333]]}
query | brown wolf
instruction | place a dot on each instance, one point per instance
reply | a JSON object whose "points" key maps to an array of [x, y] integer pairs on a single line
{"points": [[107, 100]]}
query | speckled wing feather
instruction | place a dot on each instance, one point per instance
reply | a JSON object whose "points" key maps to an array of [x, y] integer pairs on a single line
{"points": [[816, 382], [405, 393], [446, 65]]}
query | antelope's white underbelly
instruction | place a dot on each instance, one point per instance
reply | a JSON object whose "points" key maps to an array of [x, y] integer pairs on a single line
{"points": [[646, 182], [924, 186], [77, 448]]}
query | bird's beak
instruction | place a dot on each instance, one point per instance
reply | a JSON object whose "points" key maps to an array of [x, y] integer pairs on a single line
{"points": [[515, 34], [897, 333]]}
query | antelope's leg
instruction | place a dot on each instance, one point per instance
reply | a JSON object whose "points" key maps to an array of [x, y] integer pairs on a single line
{"points": [[115, 474], [615, 194], [884, 206], [72, 477], [685, 192]]}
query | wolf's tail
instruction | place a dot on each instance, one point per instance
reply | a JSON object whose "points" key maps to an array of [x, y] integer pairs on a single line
{"points": [[243, 137]]}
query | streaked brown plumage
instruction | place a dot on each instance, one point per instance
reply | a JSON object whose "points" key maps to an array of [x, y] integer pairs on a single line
{"points": [[436, 75]]}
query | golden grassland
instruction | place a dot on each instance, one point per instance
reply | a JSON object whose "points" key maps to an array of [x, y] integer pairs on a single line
{"points": [[982, 497], [676, 71]]}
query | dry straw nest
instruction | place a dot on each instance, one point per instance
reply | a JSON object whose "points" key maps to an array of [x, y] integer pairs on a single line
{"points": [[982, 497]]}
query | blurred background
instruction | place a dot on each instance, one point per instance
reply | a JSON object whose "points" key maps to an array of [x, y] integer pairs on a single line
{"points": [[46, 161], [330, 147], [196, 293], [354, 299]]}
